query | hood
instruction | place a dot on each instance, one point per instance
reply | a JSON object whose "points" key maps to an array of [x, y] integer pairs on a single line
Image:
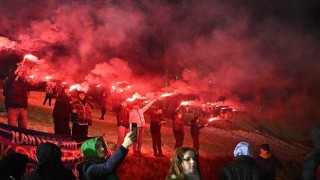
{"points": [[243, 148], [13, 165], [48, 155], [88, 148], [315, 133]]}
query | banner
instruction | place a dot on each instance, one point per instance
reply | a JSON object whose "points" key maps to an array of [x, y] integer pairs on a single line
{"points": [[14, 139]]}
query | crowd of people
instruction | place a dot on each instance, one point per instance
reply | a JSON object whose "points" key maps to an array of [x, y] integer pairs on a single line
{"points": [[184, 161]]}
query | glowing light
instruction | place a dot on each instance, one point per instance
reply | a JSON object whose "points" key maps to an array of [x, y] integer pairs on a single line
{"points": [[185, 103], [48, 77], [99, 85], [31, 57], [63, 83], [131, 99], [213, 119], [75, 86], [32, 76], [134, 97], [166, 94]]}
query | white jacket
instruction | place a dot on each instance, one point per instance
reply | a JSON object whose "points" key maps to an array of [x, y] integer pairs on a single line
{"points": [[136, 116]]}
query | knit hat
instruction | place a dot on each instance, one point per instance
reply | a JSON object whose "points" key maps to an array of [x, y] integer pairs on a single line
{"points": [[243, 148]]}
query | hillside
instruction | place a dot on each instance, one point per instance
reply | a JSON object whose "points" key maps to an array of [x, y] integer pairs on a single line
{"points": [[216, 142]]}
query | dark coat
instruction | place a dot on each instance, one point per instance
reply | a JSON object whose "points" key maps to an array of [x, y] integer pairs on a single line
{"points": [[13, 165], [62, 106], [242, 168], [83, 114], [50, 166], [312, 160], [195, 128], [155, 121], [177, 124], [122, 116], [270, 164], [16, 92]]}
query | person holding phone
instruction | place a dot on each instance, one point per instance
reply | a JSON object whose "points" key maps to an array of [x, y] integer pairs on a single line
{"points": [[136, 115], [96, 165]]}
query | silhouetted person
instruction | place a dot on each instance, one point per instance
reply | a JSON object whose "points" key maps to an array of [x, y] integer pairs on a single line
{"points": [[268, 161], [156, 120], [50, 86], [178, 129], [122, 115], [103, 103], [312, 160], [195, 131], [13, 166], [50, 166], [16, 98], [61, 113], [243, 166]]}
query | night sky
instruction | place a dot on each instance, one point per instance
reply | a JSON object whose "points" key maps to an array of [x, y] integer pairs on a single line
{"points": [[262, 53]]}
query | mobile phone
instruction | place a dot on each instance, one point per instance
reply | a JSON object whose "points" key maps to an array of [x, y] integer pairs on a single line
{"points": [[133, 127]]}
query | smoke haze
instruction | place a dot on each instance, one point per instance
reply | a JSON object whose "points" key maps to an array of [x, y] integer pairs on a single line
{"points": [[264, 54]]}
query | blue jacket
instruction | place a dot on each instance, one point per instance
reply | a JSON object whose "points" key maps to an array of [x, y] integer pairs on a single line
{"points": [[97, 169]]}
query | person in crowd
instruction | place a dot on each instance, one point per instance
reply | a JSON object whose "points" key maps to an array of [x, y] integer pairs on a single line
{"points": [[136, 115], [156, 120], [81, 116], [243, 165], [50, 86], [13, 166], [96, 166], [16, 90], [195, 131], [312, 160], [122, 115], [178, 129], [103, 103], [268, 161], [50, 166], [61, 113], [184, 165]]}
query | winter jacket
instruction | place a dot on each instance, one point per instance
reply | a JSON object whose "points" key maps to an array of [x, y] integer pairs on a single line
{"points": [[136, 116], [13, 166], [95, 168], [16, 92], [312, 160], [177, 124], [243, 166], [122, 116], [83, 115], [155, 121], [195, 128], [270, 164], [50, 166], [50, 88], [62, 106]]}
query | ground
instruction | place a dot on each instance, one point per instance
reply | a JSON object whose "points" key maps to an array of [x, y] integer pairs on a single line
{"points": [[216, 143]]}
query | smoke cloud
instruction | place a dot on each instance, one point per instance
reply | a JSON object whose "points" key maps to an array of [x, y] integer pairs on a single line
{"points": [[262, 54]]}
